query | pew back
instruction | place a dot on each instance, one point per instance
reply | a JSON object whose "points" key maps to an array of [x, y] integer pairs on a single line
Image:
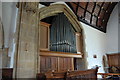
{"points": [[113, 60], [90, 74], [113, 63], [56, 75]]}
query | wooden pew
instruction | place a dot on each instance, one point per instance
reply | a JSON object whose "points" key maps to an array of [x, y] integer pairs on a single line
{"points": [[90, 74], [40, 76], [7, 73], [114, 61], [104, 75], [56, 75], [113, 66]]}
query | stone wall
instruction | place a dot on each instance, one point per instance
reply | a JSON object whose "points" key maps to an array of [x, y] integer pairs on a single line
{"points": [[26, 51], [1, 34], [5, 58], [0, 63]]}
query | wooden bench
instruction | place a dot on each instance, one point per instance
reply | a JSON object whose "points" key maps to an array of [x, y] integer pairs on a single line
{"points": [[113, 66], [104, 75], [7, 73], [56, 75], [90, 74]]}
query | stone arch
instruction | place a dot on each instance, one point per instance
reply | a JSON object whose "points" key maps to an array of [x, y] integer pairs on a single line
{"points": [[60, 8]]}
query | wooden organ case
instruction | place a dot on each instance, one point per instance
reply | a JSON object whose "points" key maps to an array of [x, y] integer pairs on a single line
{"points": [[58, 54]]}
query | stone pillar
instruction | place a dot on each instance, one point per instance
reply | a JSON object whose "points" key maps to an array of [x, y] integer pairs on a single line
{"points": [[1, 64], [27, 41], [1, 34]]}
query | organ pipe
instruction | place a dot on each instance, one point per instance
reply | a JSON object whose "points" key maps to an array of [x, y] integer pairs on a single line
{"points": [[62, 35]]}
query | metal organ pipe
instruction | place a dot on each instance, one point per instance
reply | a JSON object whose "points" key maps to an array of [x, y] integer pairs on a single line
{"points": [[62, 35]]}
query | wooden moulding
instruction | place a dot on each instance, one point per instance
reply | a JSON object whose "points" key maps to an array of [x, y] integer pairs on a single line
{"points": [[45, 24], [44, 35], [59, 54], [104, 75], [113, 54], [108, 74]]}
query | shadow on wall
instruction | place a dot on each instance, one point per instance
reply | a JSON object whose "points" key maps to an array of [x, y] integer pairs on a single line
{"points": [[104, 62]]}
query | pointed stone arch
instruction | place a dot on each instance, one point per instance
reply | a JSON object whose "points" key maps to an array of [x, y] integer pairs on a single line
{"points": [[60, 8]]}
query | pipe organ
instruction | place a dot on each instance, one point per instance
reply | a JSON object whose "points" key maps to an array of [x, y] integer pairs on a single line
{"points": [[62, 35], [60, 44]]}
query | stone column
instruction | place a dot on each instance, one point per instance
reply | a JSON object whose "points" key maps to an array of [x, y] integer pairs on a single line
{"points": [[27, 41], [1, 34], [0, 64]]}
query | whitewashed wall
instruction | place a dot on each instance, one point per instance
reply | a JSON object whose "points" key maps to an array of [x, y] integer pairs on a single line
{"points": [[95, 44], [112, 32], [99, 43], [9, 17], [9, 11]]}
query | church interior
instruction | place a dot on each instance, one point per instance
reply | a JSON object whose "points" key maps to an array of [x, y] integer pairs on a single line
{"points": [[59, 40]]}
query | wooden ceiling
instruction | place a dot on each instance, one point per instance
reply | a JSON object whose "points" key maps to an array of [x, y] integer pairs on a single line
{"points": [[95, 14]]}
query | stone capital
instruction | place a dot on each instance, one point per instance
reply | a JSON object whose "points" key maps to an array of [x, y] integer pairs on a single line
{"points": [[30, 6]]}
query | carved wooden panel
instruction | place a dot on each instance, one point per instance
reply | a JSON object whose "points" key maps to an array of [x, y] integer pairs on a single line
{"points": [[44, 35], [56, 75], [79, 44], [48, 64], [90, 74], [65, 64], [55, 64], [113, 60]]}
